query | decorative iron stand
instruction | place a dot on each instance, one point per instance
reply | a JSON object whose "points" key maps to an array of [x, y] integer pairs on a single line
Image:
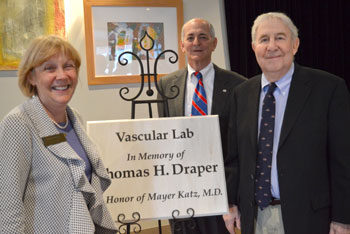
{"points": [[125, 226], [149, 92]]}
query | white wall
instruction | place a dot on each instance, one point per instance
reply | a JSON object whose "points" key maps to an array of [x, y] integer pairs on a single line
{"points": [[103, 102]]}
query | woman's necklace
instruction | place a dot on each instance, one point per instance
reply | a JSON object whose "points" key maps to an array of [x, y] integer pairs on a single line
{"points": [[65, 125]]}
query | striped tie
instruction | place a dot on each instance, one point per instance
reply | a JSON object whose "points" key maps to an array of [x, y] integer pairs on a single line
{"points": [[199, 101]]}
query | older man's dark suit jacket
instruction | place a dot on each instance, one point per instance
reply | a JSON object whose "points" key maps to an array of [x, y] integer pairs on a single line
{"points": [[313, 157], [224, 83]]}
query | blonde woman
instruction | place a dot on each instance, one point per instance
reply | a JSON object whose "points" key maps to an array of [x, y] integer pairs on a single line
{"points": [[52, 177]]}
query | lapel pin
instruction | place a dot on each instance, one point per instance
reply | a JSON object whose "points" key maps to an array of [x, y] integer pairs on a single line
{"points": [[224, 90]]}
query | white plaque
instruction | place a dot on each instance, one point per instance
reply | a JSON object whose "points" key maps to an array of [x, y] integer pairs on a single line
{"points": [[161, 165]]}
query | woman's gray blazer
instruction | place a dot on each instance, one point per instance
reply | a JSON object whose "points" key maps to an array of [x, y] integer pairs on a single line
{"points": [[43, 189]]}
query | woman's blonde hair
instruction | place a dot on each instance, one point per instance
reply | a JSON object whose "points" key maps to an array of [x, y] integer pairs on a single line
{"points": [[39, 51]]}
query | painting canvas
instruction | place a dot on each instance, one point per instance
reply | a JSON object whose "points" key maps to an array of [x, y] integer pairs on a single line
{"points": [[113, 27], [23, 20], [119, 29], [125, 36]]}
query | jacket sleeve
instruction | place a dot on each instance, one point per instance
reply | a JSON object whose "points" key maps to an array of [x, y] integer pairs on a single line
{"points": [[339, 152], [15, 163], [231, 161]]}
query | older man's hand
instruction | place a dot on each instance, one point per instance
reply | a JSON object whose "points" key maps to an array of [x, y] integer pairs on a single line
{"points": [[339, 228], [232, 219]]}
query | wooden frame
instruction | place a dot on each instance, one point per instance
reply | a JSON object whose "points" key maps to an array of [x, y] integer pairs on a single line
{"points": [[94, 79]]}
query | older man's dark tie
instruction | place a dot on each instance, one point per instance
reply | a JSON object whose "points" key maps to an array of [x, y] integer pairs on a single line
{"points": [[263, 195], [199, 101]]}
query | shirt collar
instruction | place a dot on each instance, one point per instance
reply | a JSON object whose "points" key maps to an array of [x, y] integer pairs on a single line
{"points": [[204, 71], [282, 84]]}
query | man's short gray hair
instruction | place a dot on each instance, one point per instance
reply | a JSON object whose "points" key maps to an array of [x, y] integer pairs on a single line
{"points": [[270, 15]]}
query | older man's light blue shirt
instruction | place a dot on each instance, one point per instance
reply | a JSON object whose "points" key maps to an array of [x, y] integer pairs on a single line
{"points": [[281, 96]]}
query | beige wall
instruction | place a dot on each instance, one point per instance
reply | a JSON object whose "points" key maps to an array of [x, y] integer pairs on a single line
{"points": [[103, 102]]}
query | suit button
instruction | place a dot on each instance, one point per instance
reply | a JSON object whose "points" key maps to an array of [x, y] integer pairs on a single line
{"points": [[251, 204], [252, 176]]}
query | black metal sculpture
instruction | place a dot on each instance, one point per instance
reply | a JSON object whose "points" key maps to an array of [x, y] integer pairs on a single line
{"points": [[190, 221], [125, 226], [125, 90]]}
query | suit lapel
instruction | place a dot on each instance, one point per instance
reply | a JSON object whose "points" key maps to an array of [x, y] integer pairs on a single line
{"points": [[298, 94], [63, 150], [41, 121], [253, 110], [219, 91], [179, 102], [89, 147], [45, 128]]}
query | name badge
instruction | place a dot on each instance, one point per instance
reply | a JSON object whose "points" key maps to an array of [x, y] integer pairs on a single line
{"points": [[54, 139]]}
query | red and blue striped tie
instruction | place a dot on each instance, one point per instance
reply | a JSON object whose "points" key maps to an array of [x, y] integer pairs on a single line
{"points": [[199, 101]]}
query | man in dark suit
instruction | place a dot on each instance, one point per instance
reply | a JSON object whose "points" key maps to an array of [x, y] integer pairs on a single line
{"points": [[198, 43], [290, 137]]}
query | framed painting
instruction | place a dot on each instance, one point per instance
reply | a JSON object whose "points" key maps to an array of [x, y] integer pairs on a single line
{"points": [[113, 27], [21, 21]]}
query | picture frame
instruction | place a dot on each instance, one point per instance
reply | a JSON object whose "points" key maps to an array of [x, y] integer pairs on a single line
{"points": [[114, 26]]}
